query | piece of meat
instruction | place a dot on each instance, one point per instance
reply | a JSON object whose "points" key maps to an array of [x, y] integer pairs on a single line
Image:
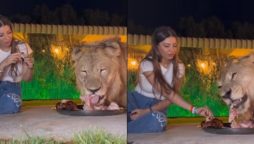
{"points": [[67, 105], [92, 103], [237, 120], [232, 115], [214, 123]]}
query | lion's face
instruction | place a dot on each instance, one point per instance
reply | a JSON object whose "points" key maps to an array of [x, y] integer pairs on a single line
{"points": [[95, 72], [99, 71], [236, 84]]}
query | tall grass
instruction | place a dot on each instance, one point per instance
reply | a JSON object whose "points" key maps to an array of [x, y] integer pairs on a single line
{"points": [[98, 136], [91, 136], [53, 78]]}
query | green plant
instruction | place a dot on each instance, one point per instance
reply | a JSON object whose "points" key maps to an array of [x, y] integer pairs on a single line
{"points": [[98, 136]]}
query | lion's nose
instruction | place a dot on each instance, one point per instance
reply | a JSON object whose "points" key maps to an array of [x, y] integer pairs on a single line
{"points": [[94, 90], [227, 94]]}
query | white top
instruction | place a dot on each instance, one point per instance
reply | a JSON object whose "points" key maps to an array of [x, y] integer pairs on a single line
{"points": [[6, 75], [145, 88]]}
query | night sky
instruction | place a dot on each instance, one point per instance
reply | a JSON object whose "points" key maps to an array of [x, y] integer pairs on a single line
{"points": [[12, 7], [152, 13], [148, 13]]}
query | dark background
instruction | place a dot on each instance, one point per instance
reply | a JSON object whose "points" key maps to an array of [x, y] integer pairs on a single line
{"points": [[195, 18], [198, 18], [75, 12]]}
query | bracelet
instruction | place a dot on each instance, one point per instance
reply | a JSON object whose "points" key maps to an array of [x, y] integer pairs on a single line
{"points": [[194, 110]]}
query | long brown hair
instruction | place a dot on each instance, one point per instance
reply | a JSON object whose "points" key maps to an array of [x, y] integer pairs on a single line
{"points": [[159, 35], [4, 21]]}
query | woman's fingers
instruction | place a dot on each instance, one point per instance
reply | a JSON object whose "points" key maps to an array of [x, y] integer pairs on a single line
{"points": [[204, 111], [13, 58], [29, 62]]}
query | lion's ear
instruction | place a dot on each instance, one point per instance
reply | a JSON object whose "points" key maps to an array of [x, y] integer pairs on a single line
{"points": [[113, 48], [76, 53]]}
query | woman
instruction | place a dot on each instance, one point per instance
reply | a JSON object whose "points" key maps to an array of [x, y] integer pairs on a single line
{"points": [[159, 79], [16, 64]]}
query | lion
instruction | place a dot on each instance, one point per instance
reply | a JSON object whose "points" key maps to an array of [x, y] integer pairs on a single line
{"points": [[101, 74], [236, 86]]}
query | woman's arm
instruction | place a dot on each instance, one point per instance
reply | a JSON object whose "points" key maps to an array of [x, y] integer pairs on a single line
{"points": [[162, 105], [177, 99], [172, 97], [13, 58], [2, 67], [28, 69]]}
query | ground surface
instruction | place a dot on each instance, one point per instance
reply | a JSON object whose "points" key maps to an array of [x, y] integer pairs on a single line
{"points": [[187, 131], [38, 118]]}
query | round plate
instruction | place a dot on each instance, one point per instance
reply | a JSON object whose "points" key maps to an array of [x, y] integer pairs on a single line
{"points": [[229, 131], [81, 112]]}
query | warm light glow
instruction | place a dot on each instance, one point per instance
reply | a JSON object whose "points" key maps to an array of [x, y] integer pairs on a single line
{"points": [[93, 38], [21, 36], [203, 65], [56, 50], [59, 51], [132, 64], [206, 66], [43, 50], [240, 52]]}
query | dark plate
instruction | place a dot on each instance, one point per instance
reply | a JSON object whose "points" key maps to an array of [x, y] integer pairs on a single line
{"points": [[229, 131], [81, 112]]}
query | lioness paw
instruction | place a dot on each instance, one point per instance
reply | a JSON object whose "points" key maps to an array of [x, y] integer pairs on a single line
{"points": [[113, 106]]}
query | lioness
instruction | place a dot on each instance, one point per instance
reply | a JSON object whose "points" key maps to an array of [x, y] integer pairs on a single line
{"points": [[101, 74], [236, 87]]}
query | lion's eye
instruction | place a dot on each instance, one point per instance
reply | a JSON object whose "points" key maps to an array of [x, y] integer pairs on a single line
{"points": [[103, 71], [233, 76], [219, 84], [84, 72]]}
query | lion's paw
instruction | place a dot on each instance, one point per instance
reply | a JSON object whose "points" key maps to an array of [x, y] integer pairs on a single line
{"points": [[113, 106]]}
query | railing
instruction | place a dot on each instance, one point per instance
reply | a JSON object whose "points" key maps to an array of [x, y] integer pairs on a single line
{"points": [[69, 29], [197, 42], [133, 39]]}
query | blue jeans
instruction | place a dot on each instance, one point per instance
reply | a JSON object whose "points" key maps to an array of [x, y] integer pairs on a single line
{"points": [[152, 122], [10, 101]]}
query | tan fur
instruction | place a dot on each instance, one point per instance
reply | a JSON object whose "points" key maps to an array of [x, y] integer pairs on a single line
{"points": [[102, 66], [238, 76]]}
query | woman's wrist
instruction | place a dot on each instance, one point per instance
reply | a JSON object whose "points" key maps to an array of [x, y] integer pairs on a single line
{"points": [[194, 110]]}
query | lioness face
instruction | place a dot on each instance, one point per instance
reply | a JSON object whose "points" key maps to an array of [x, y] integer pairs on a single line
{"points": [[95, 73], [236, 86], [100, 73]]}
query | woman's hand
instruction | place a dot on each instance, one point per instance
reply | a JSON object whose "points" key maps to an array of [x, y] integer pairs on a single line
{"points": [[11, 59], [205, 112], [137, 113], [29, 62]]}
